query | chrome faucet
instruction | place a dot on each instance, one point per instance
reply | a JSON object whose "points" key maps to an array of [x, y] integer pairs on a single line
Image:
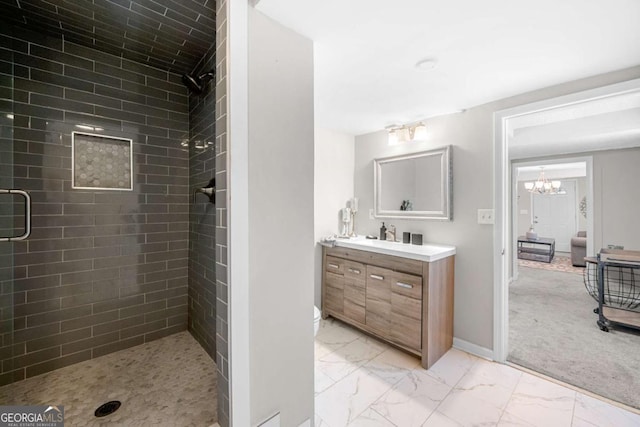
{"points": [[391, 233]]}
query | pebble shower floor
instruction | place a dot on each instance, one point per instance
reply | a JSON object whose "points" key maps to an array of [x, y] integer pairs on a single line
{"points": [[168, 382]]}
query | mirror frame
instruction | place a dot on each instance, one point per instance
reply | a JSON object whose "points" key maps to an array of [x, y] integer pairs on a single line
{"points": [[445, 213]]}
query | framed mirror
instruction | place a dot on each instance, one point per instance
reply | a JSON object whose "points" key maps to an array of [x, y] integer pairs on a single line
{"points": [[416, 185]]}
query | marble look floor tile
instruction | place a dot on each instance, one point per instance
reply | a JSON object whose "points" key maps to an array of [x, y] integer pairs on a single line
{"points": [[347, 359], [321, 381], [490, 382], [452, 366], [371, 418], [412, 400], [541, 402], [392, 365], [320, 350], [467, 408], [437, 419], [334, 334], [343, 402], [319, 422], [510, 420], [589, 411]]}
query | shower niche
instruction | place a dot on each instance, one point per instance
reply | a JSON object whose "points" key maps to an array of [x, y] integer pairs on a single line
{"points": [[101, 162]]}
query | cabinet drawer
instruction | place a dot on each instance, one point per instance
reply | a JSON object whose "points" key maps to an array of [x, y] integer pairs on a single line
{"points": [[355, 270], [406, 331], [407, 285], [371, 258], [334, 265]]}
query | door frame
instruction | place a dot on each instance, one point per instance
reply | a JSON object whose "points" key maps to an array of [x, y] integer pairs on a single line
{"points": [[502, 195]]}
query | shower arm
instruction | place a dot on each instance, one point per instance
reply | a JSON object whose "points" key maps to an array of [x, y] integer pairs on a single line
{"points": [[209, 191]]}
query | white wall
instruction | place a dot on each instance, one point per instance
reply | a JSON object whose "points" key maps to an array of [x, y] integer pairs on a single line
{"points": [[333, 186], [281, 210], [471, 134]]}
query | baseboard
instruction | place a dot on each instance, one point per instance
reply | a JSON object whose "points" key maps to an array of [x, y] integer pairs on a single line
{"points": [[474, 349]]}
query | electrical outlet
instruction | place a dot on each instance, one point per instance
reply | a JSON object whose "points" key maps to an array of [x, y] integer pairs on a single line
{"points": [[371, 214], [485, 216]]}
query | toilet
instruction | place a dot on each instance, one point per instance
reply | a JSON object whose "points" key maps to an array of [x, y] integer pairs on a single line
{"points": [[316, 320]]}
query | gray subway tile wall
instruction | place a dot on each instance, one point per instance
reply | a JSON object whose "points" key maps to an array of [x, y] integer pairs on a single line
{"points": [[202, 220], [103, 270], [222, 281], [168, 34]]}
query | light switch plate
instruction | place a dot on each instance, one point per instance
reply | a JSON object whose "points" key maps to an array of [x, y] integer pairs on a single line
{"points": [[371, 214], [485, 216]]}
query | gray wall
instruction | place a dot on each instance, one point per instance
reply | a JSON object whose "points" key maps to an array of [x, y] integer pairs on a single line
{"points": [[617, 198], [471, 134], [202, 213], [280, 222], [103, 270]]}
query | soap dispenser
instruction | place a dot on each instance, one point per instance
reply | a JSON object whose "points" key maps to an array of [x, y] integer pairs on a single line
{"points": [[383, 232]]}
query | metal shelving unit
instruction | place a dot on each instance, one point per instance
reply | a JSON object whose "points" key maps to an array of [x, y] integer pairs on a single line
{"points": [[613, 280]]}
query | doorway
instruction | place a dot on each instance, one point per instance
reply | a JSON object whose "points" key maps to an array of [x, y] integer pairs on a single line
{"points": [[505, 252]]}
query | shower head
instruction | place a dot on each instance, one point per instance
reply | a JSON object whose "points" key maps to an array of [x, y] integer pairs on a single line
{"points": [[195, 84]]}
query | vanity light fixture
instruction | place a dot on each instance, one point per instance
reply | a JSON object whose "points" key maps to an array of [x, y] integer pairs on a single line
{"points": [[406, 133]]}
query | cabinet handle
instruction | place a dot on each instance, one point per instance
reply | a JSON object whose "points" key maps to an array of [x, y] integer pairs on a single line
{"points": [[375, 276], [352, 270], [334, 266], [404, 285]]}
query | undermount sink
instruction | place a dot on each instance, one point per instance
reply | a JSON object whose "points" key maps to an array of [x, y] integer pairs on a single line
{"points": [[425, 252]]}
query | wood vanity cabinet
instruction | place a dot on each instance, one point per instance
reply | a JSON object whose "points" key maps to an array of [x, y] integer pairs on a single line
{"points": [[406, 302]]}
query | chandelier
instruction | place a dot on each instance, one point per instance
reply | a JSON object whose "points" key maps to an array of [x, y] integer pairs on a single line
{"points": [[544, 186]]}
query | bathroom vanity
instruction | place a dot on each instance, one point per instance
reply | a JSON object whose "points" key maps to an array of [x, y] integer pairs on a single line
{"points": [[400, 293]]}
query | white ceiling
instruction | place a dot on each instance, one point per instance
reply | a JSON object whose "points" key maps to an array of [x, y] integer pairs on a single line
{"points": [[365, 52]]}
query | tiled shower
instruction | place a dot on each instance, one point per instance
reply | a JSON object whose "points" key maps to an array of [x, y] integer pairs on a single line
{"points": [[105, 270]]}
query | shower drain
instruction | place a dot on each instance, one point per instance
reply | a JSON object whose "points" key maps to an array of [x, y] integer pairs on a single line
{"points": [[107, 408]]}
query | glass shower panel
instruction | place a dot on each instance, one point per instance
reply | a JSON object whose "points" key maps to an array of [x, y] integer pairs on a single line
{"points": [[10, 207]]}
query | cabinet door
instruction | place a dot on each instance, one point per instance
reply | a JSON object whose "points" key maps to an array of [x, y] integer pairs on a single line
{"points": [[378, 299], [334, 293], [354, 291], [406, 310]]}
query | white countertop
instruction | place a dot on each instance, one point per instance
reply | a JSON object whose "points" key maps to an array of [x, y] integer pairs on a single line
{"points": [[426, 252]]}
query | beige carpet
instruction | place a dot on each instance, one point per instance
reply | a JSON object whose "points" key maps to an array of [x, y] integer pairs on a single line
{"points": [[552, 330], [558, 263]]}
